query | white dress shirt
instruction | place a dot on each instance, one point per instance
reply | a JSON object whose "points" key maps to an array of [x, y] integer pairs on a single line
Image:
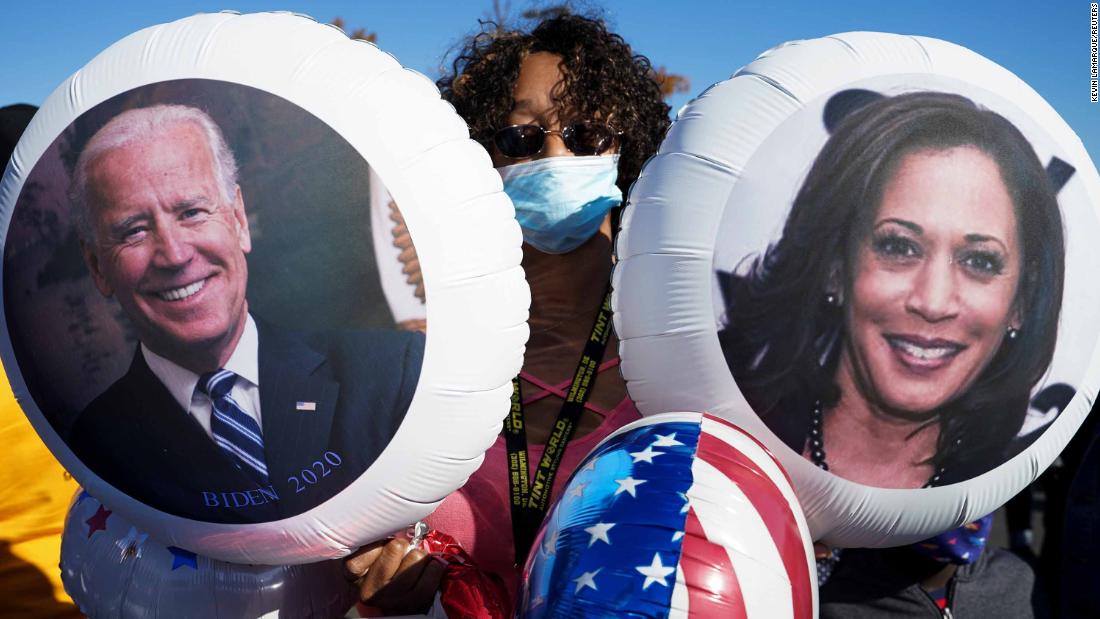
{"points": [[182, 383]]}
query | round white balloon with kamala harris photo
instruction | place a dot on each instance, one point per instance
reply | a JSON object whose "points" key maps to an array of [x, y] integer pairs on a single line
{"points": [[873, 252]]}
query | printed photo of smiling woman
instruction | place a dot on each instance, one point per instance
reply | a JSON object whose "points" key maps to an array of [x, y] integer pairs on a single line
{"points": [[925, 254]]}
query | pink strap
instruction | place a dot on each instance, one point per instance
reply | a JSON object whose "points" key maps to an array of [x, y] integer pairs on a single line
{"points": [[559, 390]]}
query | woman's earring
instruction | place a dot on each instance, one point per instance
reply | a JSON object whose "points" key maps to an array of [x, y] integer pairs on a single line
{"points": [[832, 299], [1013, 333]]}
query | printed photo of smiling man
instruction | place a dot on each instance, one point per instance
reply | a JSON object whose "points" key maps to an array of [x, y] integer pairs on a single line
{"points": [[220, 414]]}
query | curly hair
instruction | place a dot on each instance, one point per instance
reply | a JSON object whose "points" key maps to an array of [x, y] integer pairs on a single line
{"points": [[601, 78]]}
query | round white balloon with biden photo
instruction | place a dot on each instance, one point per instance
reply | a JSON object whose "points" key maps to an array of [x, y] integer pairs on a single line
{"points": [[195, 317]]}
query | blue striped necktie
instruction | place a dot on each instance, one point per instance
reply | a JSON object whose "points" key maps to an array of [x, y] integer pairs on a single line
{"points": [[234, 431]]}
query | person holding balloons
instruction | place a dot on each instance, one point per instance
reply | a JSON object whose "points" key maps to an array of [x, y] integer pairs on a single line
{"points": [[569, 113]]}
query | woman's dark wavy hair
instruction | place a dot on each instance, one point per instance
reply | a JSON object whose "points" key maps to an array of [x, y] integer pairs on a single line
{"points": [[602, 78], [782, 339]]}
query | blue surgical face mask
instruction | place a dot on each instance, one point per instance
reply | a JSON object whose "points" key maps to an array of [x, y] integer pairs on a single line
{"points": [[561, 201]]}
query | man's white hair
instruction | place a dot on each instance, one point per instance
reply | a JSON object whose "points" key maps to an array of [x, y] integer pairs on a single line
{"points": [[145, 123]]}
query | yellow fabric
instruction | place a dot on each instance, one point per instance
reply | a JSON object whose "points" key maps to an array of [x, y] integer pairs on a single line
{"points": [[34, 497]]}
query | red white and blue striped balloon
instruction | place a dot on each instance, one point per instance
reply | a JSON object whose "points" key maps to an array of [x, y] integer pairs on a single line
{"points": [[675, 515]]}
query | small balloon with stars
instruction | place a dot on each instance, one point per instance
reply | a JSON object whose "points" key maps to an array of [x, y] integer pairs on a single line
{"points": [[111, 568], [675, 515]]}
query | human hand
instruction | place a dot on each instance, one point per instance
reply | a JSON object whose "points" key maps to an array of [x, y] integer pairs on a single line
{"points": [[393, 578], [414, 324], [408, 257]]}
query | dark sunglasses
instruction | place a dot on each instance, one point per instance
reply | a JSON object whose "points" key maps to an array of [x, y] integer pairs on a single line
{"points": [[588, 137]]}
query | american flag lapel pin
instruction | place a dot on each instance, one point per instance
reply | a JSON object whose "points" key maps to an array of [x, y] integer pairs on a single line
{"points": [[305, 406]]}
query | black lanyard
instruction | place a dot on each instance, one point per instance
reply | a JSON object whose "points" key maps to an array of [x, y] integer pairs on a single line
{"points": [[531, 497]]}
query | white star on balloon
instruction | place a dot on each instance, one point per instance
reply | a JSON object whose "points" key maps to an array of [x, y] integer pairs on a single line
{"points": [[667, 441], [538, 601], [655, 572], [687, 503], [648, 455], [629, 485], [591, 466], [133, 541], [550, 544], [587, 579], [598, 532], [677, 535], [577, 489]]}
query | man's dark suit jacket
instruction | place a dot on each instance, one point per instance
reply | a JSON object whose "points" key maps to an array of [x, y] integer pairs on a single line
{"points": [[136, 437]]}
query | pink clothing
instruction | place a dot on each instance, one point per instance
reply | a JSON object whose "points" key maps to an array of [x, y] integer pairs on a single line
{"points": [[560, 390], [479, 514]]}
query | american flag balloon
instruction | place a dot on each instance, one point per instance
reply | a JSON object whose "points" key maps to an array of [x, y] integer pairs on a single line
{"points": [[675, 515]]}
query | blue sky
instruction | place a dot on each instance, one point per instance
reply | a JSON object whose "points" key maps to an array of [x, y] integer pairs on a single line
{"points": [[1046, 44]]}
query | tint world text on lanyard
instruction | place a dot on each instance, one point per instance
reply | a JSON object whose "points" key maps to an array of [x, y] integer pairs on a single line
{"points": [[531, 497]]}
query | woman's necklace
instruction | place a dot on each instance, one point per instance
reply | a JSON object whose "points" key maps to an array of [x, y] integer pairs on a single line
{"points": [[816, 439]]}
